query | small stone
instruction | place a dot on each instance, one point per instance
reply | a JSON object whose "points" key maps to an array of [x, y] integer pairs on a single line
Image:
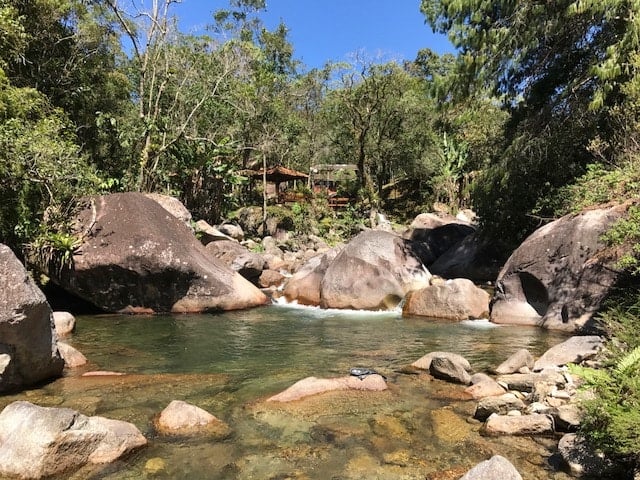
{"points": [[155, 465]]}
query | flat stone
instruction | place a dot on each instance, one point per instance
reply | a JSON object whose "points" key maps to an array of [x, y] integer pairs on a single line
{"points": [[581, 458], [499, 405], [523, 425], [314, 386], [72, 357], [574, 350]]}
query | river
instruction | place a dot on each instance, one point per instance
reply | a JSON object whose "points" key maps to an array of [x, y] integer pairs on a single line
{"points": [[229, 363]]}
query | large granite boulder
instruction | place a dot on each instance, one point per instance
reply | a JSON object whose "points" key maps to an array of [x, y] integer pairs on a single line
{"points": [[172, 205], [473, 257], [457, 300], [373, 272], [136, 257], [28, 351], [304, 286], [38, 442], [559, 276], [437, 234]]}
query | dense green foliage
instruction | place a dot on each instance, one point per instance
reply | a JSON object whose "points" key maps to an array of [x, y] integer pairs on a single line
{"points": [[569, 81], [612, 417], [537, 115]]}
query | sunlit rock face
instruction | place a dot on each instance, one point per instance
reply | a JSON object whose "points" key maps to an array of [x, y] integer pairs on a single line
{"points": [[559, 276], [373, 272], [28, 352], [135, 256], [37, 442]]}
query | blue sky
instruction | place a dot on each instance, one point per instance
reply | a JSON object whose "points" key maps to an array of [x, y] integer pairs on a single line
{"points": [[323, 30]]}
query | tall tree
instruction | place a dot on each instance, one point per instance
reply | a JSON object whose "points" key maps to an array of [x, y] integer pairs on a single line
{"points": [[557, 75]]}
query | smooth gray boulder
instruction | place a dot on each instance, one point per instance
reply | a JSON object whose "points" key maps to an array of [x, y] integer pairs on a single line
{"points": [[37, 442], [424, 362], [446, 369], [458, 299], [560, 274], [304, 286], [496, 468], [534, 424], [516, 362], [573, 350], [374, 271], [28, 351]]}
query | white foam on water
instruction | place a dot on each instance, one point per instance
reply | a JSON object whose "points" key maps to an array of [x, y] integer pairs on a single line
{"points": [[480, 323], [326, 312]]}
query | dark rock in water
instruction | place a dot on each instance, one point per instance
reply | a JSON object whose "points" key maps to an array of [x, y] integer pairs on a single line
{"points": [[473, 258], [446, 369], [582, 458], [362, 372], [373, 272], [560, 274], [137, 257], [28, 352]]}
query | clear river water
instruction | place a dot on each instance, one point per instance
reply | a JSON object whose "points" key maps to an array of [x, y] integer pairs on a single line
{"points": [[229, 363]]}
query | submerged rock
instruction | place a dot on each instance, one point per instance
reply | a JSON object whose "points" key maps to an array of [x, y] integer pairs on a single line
{"points": [[182, 418], [37, 442], [314, 386]]}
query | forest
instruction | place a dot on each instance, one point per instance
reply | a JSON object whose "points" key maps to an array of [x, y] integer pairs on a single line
{"points": [[536, 116]]}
